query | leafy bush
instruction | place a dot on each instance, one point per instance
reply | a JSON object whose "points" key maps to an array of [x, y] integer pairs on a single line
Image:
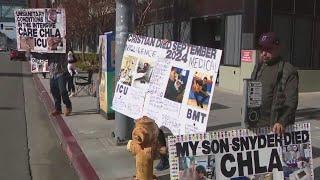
{"points": [[89, 62]]}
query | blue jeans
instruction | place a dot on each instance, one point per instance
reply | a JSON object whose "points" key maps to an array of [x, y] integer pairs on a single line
{"points": [[58, 91]]}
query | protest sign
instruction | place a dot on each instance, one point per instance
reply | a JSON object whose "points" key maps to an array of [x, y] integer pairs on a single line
{"points": [[243, 154], [170, 82], [41, 30], [39, 65]]}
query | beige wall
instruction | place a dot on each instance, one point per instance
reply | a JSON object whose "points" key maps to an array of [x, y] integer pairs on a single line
{"points": [[231, 78], [309, 80]]}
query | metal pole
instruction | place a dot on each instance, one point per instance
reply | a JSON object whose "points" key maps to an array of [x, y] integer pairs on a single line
{"points": [[124, 25]]}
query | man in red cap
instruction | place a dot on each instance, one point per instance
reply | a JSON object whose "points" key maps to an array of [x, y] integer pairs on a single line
{"points": [[279, 85]]}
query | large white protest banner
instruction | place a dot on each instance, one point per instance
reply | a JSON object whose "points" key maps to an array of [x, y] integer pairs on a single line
{"points": [[243, 154], [41, 30], [170, 82]]}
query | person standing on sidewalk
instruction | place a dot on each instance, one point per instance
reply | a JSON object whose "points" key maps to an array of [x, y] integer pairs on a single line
{"points": [[279, 85], [164, 156], [72, 71], [58, 74]]}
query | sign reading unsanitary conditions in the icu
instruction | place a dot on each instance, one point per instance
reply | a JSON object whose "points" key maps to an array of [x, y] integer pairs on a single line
{"points": [[41, 30]]}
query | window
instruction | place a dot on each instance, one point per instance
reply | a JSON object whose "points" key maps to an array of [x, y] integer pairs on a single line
{"points": [[8, 11], [282, 27], [283, 6], [301, 56], [304, 7], [151, 30], [299, 32], [318, 8], [316, 49], [158, 31], [185, 31], [168, 31], [232, 40]]}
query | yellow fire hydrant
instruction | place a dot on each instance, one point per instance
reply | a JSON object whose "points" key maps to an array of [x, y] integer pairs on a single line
{"points": [[144, 146]]}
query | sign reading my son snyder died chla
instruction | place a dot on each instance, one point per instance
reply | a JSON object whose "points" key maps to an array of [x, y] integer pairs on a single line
{"points": [[41, 30], [243, 154], [170, 82]]}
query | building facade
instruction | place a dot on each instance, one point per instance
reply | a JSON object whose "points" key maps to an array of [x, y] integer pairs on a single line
{"points": [[39, 3], [7, 25], [235, 26]]}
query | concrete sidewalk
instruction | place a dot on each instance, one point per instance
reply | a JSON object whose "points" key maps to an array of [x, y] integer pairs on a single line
{"points": [[92, 132]]}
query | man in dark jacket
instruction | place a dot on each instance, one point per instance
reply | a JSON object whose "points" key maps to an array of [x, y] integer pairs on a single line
{"points": [[279, 85]]}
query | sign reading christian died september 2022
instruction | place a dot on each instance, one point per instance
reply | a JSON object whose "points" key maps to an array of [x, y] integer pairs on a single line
{"points": [[170, 82], [243, 154], [41, 30]]}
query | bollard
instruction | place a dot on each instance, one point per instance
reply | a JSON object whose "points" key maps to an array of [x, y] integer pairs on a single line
{"points": [[144, 146]]}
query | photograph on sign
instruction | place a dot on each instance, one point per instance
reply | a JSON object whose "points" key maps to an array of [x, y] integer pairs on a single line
{"points": [[142, 74], [176, 84], [39, 65], [54, 43], [51, 15], [297, 161], [196, 167], [128, 66], [26, 43], [200, 90]]}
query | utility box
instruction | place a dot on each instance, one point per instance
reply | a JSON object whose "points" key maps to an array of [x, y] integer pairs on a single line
{"points": [[107, 73]]}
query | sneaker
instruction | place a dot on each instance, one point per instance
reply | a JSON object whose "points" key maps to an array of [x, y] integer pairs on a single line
{"points": [[56, 113], [67, 111], [72, 94], [163, 164]]}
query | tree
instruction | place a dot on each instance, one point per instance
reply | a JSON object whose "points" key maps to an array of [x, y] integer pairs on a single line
{"points": [[86, 19], [142, 12], [103, 13]]}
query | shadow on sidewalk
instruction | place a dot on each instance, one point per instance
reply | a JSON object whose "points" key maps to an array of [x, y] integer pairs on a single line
{"points": [[7, 108], [216, 106], [308, 113], [315, 152], [223, 126], [161, 177], [15, 75], [85, 112]]}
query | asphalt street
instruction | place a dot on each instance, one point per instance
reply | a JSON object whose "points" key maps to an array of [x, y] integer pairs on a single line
{"points": [[30, 148]]}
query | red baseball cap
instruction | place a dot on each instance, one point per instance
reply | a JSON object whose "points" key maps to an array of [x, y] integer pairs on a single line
{"points": [[268, 40]]}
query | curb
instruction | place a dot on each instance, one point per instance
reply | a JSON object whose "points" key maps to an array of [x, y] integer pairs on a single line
{"points": [[69, 144]]}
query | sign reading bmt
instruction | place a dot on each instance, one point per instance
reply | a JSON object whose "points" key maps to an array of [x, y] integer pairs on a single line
{"points": [[196, 115]]}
